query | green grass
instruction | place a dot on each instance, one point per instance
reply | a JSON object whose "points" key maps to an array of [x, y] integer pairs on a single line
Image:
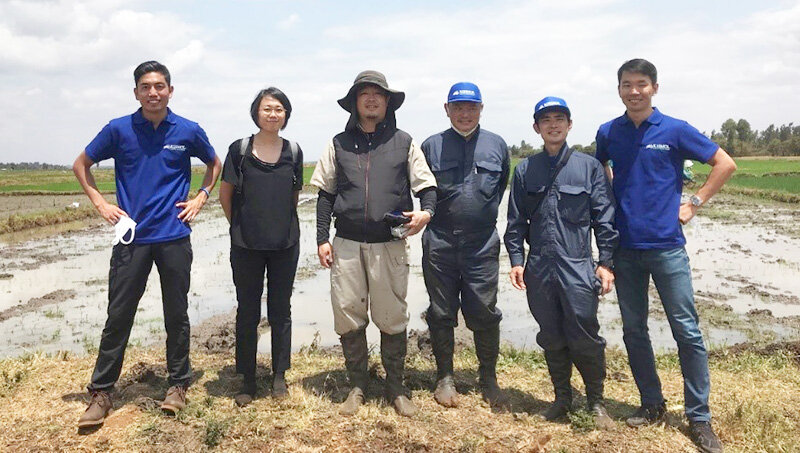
{"points": [[779, 183], [756, 167]]}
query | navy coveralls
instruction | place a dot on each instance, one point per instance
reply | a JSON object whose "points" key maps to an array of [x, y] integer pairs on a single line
{"points": [[460, 246], [559, 273]]}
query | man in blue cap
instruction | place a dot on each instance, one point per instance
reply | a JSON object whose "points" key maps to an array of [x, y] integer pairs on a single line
{"points": [[460, 246], [557, 198], [648, 149]]}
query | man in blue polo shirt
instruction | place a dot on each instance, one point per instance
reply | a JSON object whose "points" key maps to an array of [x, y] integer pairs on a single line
{"points": [[647, 149], [151, 150]]}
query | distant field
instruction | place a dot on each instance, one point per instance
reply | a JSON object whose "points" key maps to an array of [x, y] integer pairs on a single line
{"points": [[757, 167], [63, 181], [774, 174]]}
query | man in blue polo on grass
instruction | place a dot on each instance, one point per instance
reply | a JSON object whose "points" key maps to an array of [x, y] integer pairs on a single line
{"points": [[647, 149], [151, 150]]}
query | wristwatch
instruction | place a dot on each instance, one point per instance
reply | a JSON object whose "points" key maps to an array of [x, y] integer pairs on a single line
{"points": [[696, 201]]}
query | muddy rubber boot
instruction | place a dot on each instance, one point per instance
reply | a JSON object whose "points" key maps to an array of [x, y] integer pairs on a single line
{"points": [[279, 388], [247, 392], [356, 361], [560, 367], [487, 348], [393, 357], [100, 406], [442, 343], [593, 370]]}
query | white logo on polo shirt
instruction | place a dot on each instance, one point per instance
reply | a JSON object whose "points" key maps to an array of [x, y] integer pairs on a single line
{"points": [[658, 146], [175, 147]]}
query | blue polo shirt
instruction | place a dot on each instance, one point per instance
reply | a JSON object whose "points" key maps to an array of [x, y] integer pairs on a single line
{"points": [[152, 169], [648, 169]]}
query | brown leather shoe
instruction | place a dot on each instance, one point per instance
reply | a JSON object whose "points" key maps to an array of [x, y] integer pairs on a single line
{"points": [[175, 400], [100, 407]]}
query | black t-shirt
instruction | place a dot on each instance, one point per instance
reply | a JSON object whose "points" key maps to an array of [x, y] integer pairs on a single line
{"points": [[263, 214]]}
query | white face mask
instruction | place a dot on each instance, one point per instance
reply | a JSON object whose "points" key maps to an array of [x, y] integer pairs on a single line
{"points": [[465, 134], [121, 229]]}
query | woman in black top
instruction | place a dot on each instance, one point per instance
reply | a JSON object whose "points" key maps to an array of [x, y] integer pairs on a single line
{"points": [[261, 181]]}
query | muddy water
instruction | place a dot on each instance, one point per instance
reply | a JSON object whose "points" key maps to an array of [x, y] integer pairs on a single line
{"points": [[743, 267]]}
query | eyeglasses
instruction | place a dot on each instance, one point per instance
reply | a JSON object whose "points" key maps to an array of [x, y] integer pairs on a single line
{"points": [[270, 111]]}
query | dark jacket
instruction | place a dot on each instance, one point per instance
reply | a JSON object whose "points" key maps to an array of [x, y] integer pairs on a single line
{"points": [[559, 231], [471, 176]]}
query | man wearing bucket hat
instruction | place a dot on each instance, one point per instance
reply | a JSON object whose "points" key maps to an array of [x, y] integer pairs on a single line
{"points": [[460, 247], [557, 198], [366, 176]]}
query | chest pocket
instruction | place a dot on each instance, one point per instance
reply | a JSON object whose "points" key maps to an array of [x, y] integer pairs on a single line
{"points": [[445, 171], [534, 198], [488, 177], [573, 204]]}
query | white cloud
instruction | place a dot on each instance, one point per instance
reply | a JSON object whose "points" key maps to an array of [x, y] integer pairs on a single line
{"points": [[290, 22], [75, 59]]}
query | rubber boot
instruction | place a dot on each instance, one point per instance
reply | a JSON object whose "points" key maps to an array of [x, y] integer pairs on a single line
{"points": [[487, 348], [442, 342], [592, 368], [393, 357], [560, 367], [356, 360]]}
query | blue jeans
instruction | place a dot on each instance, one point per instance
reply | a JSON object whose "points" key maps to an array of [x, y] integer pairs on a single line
{"points": [[673, 280]]}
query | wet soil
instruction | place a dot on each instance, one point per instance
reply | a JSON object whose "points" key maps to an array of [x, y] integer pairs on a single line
{"points": [[744, 267]]}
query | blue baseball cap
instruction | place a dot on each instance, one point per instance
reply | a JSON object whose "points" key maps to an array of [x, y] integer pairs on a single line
{"points": [[550, 103], [464, 92]]}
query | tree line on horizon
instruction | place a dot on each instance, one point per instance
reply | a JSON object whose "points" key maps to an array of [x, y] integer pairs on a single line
{"points": [[736, 137]]}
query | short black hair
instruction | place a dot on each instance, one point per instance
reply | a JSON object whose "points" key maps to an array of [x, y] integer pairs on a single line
{"points": [[273, 92], [641, 66], [151, 66]]}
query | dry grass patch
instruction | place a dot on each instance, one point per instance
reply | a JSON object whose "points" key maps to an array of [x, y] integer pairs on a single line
{"points": [[755, 399]]}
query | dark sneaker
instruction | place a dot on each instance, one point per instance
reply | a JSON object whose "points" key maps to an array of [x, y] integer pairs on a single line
{"points": [[601, 418], [100, 406], [279, 388], [648, 415], [175, 400], [704, 437]]}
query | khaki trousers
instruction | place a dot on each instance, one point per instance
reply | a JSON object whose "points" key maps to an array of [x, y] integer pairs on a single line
{"points": [[364, 275]]}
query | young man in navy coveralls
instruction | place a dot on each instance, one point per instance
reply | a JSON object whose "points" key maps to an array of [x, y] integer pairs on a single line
{"points": [[151, 150], [555, 215], [460, 246], [647, 149]]}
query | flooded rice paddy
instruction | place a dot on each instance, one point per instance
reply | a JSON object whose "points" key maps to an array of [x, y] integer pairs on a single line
{"points": [[53, 291]]}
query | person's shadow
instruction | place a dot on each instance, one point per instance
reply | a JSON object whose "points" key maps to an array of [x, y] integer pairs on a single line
{"points": [[143, 384]]}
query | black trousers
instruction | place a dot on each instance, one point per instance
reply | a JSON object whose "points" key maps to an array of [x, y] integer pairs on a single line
{"points": [[248, 275], [130, 267], [461, 271]]}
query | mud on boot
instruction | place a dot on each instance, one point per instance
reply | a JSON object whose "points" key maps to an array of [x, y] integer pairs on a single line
{"points": [[247, 392], [356, 360], [175, 401], [442, 343], [393, 357], [487, 348], [279, 388], [445, 393], [601, 418], [354, 400], [560, 367]]}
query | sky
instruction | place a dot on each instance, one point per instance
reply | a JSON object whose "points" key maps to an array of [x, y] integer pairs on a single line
{"points": [[66, 66]]}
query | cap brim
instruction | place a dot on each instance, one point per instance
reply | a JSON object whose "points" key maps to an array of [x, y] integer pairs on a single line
{"points": [[550, 109]]}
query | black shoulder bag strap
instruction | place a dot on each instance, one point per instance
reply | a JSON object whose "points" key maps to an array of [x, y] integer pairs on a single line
{"points": [[559, 166], [244, 144]]}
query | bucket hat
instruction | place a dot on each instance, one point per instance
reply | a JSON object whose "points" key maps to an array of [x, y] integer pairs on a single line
{"points": [[396, 98]]}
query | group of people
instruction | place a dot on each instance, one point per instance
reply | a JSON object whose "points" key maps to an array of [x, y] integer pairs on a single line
{"points": [[628, 195]]}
